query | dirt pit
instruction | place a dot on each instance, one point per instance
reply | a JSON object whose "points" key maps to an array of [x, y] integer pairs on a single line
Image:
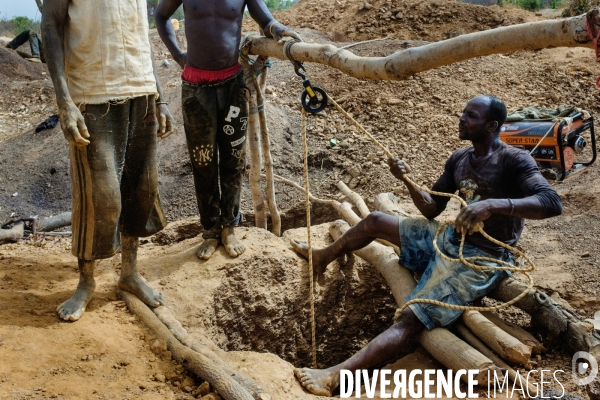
{"points": [[257, 304], [260, 300]]}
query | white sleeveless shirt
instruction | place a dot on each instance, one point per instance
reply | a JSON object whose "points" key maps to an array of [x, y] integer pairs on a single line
{"points": [[107, 51]]}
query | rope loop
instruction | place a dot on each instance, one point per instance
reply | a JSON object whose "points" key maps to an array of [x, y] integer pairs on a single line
{"points": [[257, 108], [257, 66], [287, 49]]}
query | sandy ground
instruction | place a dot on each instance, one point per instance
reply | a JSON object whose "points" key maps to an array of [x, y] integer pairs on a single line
{"points": [[254, 310]]}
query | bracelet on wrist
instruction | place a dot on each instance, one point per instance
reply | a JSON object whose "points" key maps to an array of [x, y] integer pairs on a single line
{"points": [[271, 28], [161, 102]]}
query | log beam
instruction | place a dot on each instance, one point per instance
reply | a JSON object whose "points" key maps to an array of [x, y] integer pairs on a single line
{"points": [[505, 345], [254, 148], [568, 32], [516, 331], [556, 321], [474, 341], [266, 153], [200, 364], [390, 204], [52, 223]]}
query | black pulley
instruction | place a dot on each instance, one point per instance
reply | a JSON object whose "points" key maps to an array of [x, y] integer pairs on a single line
{"points": [[314, 99]]}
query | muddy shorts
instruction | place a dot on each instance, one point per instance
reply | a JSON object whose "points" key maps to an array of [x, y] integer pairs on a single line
{"points": [[216, 118], [114, 179], [448, 282]]}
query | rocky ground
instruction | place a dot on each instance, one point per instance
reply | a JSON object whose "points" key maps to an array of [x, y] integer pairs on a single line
{"points": [[237, 303]]}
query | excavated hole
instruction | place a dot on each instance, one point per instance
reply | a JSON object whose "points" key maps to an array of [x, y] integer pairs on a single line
{"points": [[263, 302], [259, 307]]}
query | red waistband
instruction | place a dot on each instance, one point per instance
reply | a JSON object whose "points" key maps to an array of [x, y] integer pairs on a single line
{"points": [[195, 75]]}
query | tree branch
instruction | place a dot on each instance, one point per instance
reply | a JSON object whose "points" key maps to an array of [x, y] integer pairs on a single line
{"points": [[568, 32]]}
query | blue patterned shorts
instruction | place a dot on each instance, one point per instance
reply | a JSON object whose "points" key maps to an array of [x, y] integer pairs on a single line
{"points": [[448, 282]]}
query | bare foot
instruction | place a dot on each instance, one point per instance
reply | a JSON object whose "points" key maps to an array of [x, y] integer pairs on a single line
{"points": [[207, 248], [321, 382], [135, 284], [302, 248], [73, 309], [232, 245]]}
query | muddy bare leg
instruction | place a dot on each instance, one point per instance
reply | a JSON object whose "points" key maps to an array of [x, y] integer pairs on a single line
{"points": [[376, 225], [232, 245], [207, 248], [130, 279], [324, 381], [73, 309]]}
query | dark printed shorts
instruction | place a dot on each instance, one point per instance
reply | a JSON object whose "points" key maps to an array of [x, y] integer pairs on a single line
{"points": [[446, 281], [114, 179]]}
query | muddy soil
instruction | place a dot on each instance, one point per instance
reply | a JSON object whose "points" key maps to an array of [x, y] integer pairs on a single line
{"points": [[254, 309]]}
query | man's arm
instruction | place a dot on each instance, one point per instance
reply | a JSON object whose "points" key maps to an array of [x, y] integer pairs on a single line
{"points": [[272, 29], [541, 200], [54, 17], [162, 17], [165, 119], [422, 200]]}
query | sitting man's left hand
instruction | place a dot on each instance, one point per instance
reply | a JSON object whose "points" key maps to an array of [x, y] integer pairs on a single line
{"points": [[279, 31], [470, 218], [165, 121]]}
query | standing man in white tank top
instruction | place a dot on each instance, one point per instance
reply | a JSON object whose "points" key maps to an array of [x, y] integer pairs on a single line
{"points": [[111, 111]]}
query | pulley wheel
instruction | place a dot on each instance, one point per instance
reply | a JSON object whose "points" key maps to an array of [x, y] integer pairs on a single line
{"points": [[316, 103]]}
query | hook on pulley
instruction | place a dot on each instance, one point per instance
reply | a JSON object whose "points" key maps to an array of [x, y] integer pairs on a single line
{"points": [[314, 98]]}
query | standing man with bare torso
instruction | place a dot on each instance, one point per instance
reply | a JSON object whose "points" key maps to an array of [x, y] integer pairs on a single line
{"points": [[215, 105]]}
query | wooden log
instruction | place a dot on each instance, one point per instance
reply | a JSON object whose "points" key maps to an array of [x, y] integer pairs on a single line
{"points": [[197, 362], [266, 153], [505, 345], [569, 32], [355, 198], [254, 149], [556, 321], [516, 331], [474, 341], [440, 343], [52, 223], [13, 234], [390, 204], [454, 353], [364, 211], [165, 315]]}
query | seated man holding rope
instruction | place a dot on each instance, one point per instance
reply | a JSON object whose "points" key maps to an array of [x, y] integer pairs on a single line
{"points": [[501, 185]]}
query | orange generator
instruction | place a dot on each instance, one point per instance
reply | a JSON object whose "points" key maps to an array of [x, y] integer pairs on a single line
{"points": [[555, 146]]}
